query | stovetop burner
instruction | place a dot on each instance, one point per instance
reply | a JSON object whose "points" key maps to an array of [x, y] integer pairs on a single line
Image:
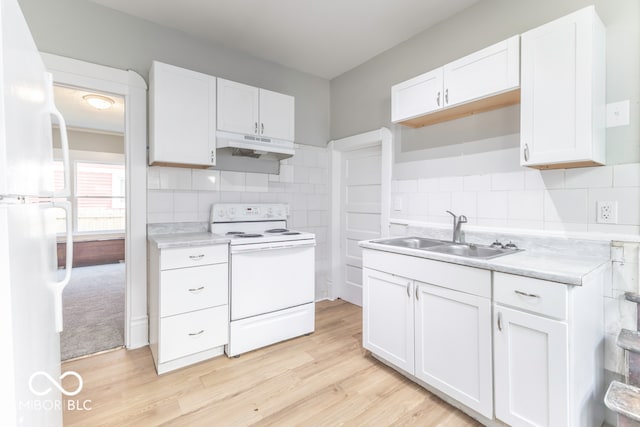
{"points": [[248, 235], [234, 233], [277, 230], [290, 233]]}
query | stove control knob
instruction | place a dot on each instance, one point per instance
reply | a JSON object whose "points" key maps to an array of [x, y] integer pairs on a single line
{"points": [[270, 212], [231, 212], [221, 213]]}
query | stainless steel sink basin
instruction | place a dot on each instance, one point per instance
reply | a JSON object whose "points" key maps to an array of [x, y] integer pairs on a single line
{"points": [[444, 247], [471, 251], [411, 242]]}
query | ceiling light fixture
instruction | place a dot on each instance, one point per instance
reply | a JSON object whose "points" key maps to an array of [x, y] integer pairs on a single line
{"points": [[98, 101]]}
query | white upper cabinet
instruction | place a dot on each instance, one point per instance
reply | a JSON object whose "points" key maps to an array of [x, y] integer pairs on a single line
{"points": [[249, 110], [563, 93], [417, 96], [277, 115], [237, 107], [182, 116], [489, 71], [484, 80]]}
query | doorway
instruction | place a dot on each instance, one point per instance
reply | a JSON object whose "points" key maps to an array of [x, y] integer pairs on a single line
{"points": [[93, 302], [132, 88], [361, 180]]}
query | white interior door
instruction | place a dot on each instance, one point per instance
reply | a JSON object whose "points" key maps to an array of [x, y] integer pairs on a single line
{"points": [[360, 214]]}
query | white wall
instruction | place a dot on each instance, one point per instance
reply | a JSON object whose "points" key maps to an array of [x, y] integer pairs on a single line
{"points": [[185, 195]]}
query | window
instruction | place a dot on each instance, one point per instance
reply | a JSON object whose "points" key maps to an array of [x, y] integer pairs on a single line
{"points": [[97, 196]]}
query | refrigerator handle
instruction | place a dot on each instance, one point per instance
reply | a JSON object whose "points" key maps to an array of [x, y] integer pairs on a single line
{"points": [[58, 287], [64, 140]]}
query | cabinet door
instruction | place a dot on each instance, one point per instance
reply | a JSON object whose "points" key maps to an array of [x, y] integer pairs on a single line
{"points": [[531, 369], [417, 96], [387, 309], [237, 107], [453, 345], [277, 115], [182, 116], [562, 91], [486, 72]]}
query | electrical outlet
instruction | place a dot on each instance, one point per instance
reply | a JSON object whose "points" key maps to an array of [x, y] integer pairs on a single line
{"points": [[607, 212]]}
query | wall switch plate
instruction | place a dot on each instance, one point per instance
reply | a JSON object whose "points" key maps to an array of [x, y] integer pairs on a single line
{"points": [[607, 212], [397, 203], [618, 114]]}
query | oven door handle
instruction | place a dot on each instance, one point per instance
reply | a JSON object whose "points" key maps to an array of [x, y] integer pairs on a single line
{"points": [[252, 248]]}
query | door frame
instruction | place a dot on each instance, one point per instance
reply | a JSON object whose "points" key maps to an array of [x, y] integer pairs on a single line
{"points": [[381, 137], [133, 88]]}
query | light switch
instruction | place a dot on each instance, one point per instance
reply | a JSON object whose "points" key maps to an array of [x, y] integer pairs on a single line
{"points": [[397, 203], [618, 114]]}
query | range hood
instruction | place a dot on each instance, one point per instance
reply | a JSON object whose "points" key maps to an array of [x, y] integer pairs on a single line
{"points": [[254, 146]]}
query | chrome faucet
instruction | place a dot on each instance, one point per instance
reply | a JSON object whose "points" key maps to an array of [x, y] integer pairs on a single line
{"points": [[457, 224]]}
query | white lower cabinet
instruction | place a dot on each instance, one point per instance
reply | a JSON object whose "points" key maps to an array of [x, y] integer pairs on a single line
{"points": [[387, 307], [531, 381], [453, 345], [426, 323], [511, 350], [188, 304]]}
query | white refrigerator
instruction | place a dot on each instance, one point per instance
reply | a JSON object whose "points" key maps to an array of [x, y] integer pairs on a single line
{"points": [[30, 288]]}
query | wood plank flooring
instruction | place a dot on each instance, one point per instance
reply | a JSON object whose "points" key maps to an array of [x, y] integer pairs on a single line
{"points": [[325, 379]]}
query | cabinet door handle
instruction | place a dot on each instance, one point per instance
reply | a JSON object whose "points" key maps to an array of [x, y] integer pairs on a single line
{"points": [[417, 292], [524, 294], [446, 96], [213, 157], [526, 152], [499, 321], [255, 127], [194, 290], [261, 128], [196, 257], [408, 291], [193, 334], [438, 99]]}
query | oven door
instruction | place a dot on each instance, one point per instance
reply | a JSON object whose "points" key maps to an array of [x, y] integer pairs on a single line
{"points": [[267, 277]]}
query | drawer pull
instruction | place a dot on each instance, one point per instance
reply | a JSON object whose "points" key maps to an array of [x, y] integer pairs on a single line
{"points": [[524, 294], [195, 290], [193, 334], [499, 321], [196, 257]]}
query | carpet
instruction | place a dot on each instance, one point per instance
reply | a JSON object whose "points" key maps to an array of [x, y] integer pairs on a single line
{"points": [[93, 310]]}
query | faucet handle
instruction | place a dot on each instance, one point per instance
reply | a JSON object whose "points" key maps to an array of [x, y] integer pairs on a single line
{"points": [[452, 214]]}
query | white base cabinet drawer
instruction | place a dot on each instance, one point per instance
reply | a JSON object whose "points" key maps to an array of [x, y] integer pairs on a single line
{"points": [[193, 256], [189, 289], [193, 332], [534, 295]]}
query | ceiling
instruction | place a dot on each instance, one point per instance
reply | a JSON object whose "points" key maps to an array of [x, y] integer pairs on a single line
{"points": [[321, 37], [78, 114]]}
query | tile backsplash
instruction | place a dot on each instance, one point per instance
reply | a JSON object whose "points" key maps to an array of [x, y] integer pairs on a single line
{"points": [[181, 195], [557, 200]]}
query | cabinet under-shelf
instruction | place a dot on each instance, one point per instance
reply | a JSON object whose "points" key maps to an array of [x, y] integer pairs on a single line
{"points": [[481, 105]]}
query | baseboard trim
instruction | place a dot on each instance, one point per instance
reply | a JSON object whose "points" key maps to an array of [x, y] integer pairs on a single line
{"points": [[138, 332]]}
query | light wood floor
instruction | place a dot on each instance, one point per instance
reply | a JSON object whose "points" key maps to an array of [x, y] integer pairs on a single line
{"points": [[325, 379]]}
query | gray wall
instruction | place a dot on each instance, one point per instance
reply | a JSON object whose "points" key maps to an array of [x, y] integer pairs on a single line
{"points": [[360, 98], [83, 30], [84, 140]]}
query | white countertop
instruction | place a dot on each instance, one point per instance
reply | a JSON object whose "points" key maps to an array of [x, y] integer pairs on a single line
{"points": [[553, 267], [178, 240]]}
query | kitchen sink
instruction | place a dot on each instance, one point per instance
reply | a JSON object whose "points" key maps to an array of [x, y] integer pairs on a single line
{"points": [[471, 251], [411, 242], [444, 247]]}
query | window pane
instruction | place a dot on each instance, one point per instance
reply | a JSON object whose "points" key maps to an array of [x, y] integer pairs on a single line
{"points": [[99, 180], [100, 214]]}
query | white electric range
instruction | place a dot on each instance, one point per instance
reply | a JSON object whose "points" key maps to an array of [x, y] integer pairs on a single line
{"points": [[272, 275]]}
